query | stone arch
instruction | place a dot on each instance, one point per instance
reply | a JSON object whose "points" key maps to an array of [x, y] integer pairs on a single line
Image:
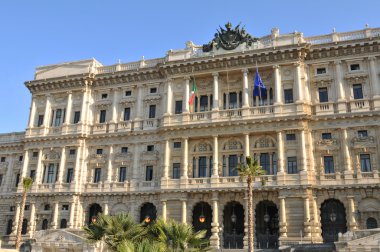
{"points": [[148, 213], [119, 208], [369, 205], [202, 217], [233, 225], [232, 143], [264, 142], [199, 145], [93, 210], [371, 223], [267, 224], [333, 219]]}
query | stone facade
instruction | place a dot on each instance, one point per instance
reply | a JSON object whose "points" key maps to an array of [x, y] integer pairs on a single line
{"points": [[123, 138]]}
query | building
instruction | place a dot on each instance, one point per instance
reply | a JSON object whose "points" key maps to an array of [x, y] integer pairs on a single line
{"points": [[123, 138]]}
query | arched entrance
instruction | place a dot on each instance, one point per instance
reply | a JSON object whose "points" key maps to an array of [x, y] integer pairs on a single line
{"points": [[202, 217], [371, 223], [333, 218], [94, 210], [148, 213], [267, 228], [233, 225]]}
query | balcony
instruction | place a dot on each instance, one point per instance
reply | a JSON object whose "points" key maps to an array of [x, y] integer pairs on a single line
{"points": [[100, 128], [360, 105], [149, 124], [325, 108], [125, 126]]}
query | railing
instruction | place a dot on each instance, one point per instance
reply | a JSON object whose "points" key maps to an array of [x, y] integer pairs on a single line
{"points": [[12, 137], [262, 110], [200, 116], [130, 66], [362, 104], [230, 113]]}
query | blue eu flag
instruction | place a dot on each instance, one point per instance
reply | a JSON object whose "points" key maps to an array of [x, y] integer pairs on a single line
{"points": [[259, 89]]}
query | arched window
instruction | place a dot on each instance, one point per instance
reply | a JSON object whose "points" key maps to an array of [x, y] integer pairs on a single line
{"points": [[63, 223], [24, 228], [9, 227], [44, 224], [371, 223]]}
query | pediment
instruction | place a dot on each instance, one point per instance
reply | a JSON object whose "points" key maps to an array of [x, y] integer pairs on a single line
{"points": [[58, 236]]}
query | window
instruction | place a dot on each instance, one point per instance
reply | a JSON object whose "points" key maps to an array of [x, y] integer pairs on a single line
{"points": [[178, 107], [358, 91], [1, 179], [45, 224], [288, 95], [24, 227], [102, 116], [292, 165], [63, 223], [176, 170], [58, 117], [124, 149], [329, 164], [104, 96], [122, 174], [35, 154], [72, 152], [233, 100], [76, 116], [365, 162], [149, 173], [97, 175], [177, 145], [2, 160], [65, 207], [150, 148], [46, 207], [69, 176], [290, 137], [326, 136], [232, 164], [40, 121], [32, 174], [128, 93], [153, 90], [202, 167], [99, 151], [127, 114], [50, 175], [152, 111], [20, 158], [362, 133], [323, 94], [321, 70], [17, 179], [264, 162], [9, 227], [354, 67], [203, 103], [12, 208]]}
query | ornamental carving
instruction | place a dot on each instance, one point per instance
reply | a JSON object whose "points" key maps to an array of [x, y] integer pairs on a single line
{"points": [[98, 158], [123, 157], [52, 155], [363, 142], [149, 156], [229, 39], [328, 144], [128, 100]]}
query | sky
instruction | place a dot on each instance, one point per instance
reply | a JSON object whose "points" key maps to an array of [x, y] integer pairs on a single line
{"points": [[35, 33]]}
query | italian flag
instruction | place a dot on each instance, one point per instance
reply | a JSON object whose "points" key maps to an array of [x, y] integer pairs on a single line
{"points": [[192, 96]]}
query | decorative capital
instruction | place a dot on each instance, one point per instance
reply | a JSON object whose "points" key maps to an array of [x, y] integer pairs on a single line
{"points": [[216, 74], [297, 64], [372, 58], [276, 67], [186, 78], [337, 62], [245, 71], [69, 92]]}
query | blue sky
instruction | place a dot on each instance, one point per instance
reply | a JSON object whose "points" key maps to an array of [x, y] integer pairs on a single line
{"points": [[35, 33]]}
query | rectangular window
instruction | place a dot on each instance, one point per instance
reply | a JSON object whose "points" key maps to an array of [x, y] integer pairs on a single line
{"points": [[202, 167], [323, 94], [232, 165], [97, 175], [290, 137], [328, 162], [72, 152], [153, 90], [354, 67], [149, 173], [99, 151], [65, 207], [58, 117], [20, 158], [288, 95], [203, 103], [150, 148], [177, 145], [321, 70], [102, 116], [104, 96], [178, 107], [233, 101], [40, 121], [128, 93], [152, 111], [1, 179], [358, 91], [292, 165], [35, 154], [127, 114], [365, 162], [50, 174], [124, 149], [17, 179], [70, 173], [122, 174], [326, 136], [76, 116], [2, 159], [362, 133], [176, 170], [32, 174], [27, 207], [264, 162]]}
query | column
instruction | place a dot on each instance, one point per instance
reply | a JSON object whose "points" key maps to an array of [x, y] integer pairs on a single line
{"points": [[169, 98], [280, 152], [346, 152], [214, 239], [16, 219], [306, 215], [62, 165], [186, 95], [115, 106], [32, 218], [39, 169], [106, 208], [351, 213], [246, 145], [215, 96], [215, 163], [54, 223], [72, 212], [25, 165], [316, 233], [69, 107], [7, 180], [302, 146], [32, 114], [339, 80], [184, 210], [298, 82], [136, 158], [109, 167], [374, 76], [283, 222], [277, 86], [139, 103], [164, 213], [167, 159], [77, 169], [311, 151], [185, 158], [47, 111], [83, 117], [245, 89]]}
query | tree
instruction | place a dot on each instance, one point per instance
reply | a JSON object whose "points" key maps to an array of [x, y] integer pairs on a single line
{"points": [[26, 184], [249, 170]]}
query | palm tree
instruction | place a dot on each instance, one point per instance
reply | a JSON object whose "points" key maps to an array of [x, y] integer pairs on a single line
{"points": [[249, 170], [26, 184]]}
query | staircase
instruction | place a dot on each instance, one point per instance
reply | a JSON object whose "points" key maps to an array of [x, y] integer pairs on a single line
{"points": [[360, 240]]}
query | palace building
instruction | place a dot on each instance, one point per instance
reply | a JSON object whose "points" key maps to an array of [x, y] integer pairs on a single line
{"points": [[124, 138]]}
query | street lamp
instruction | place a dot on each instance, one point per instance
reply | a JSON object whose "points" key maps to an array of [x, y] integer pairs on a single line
{"points": [[202, 217], [332, 216], [93, 219], [147, 219]]}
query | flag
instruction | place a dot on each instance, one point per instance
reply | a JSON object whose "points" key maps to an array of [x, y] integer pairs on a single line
{"points": [[192, 96], [259, 89]]}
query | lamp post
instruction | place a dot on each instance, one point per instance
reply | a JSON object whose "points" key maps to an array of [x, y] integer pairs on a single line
{"points": [[233, 220], [266, 220]]}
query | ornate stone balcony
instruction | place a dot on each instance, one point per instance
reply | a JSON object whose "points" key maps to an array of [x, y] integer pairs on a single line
{"points": [[325, 108], [361, 105]]}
